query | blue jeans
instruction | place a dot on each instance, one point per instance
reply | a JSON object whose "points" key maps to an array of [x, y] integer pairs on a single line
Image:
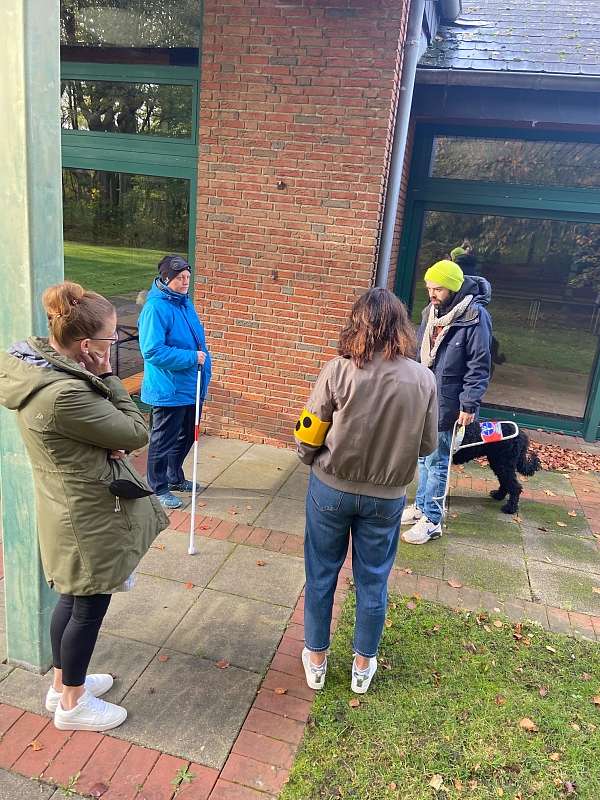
{"points": [[375, 524], [171, 439], [433, 473]]}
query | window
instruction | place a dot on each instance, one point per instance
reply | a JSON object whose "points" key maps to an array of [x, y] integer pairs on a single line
{"points": [[516, 161]]}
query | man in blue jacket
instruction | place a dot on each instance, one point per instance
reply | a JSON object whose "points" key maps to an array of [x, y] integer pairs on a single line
{"points": [[174, 348], [454, 341]]}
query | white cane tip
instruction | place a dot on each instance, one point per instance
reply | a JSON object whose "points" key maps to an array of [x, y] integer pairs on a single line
{"points": [[191, 551]]}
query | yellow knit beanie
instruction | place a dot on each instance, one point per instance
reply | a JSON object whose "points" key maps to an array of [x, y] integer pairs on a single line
{"points": [[447, 274]]}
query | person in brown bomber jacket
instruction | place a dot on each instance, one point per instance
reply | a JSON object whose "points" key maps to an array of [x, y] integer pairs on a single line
{"points": [[371, 415]]}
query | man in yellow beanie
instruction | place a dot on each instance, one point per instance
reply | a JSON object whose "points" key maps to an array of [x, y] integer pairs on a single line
{"points": [[454, 341]]}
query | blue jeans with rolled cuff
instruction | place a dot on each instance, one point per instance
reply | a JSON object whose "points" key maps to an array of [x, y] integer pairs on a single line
{"points": [[375, 524]]}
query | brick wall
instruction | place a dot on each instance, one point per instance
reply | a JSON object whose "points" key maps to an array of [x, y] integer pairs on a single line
{"points": [[296, 102]]}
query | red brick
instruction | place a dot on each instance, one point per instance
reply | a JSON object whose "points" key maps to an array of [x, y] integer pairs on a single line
{"points": [[27, 728], [241, 533], [596, 624], [295, 687], [255, 774], [263, 748], [290, 646], [224, 790], [582, 623], [284, 663], [8, 716], [558, 620], [258, 537], [74, 755], [103, 764], [223, 530], [292, 707], [33, 762], [177, 518], [132, 772], [275, 540], [293, 546], [273, 725], [159, 783], [295, 631], [202, 784]]}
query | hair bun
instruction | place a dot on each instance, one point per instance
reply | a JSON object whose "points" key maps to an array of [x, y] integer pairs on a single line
{"points": [[60, 300]]}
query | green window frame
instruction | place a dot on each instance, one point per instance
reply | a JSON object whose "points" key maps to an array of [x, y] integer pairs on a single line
{"points": [[516, 200]]}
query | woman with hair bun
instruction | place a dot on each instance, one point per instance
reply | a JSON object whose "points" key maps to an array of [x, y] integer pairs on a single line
{"points": [[96, 516]]}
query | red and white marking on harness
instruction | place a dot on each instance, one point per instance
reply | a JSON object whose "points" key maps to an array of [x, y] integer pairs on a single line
{"points": [[491, 431]]}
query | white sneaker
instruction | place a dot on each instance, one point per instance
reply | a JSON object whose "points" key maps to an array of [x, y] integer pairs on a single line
{"points": [[422, 532], [95, 684], [361, 679], [315, 676], [411, 514], [90, 714]]}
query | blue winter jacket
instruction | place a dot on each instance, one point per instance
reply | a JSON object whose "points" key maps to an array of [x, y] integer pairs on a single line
{"points": [[170, 337], [463, 362]]}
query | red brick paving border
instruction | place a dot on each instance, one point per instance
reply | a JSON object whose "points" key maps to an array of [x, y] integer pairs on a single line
{"points": [[262, 754]]}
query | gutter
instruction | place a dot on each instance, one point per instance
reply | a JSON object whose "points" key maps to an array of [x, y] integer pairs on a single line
{"points": [[503, 79], [412, 54]]}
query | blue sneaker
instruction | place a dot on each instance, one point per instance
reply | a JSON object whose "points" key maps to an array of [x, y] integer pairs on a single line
{"points": [[168, 500], [184, 486]]}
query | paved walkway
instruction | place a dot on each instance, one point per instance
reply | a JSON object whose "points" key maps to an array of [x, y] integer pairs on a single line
{"points": [[206, 648]]}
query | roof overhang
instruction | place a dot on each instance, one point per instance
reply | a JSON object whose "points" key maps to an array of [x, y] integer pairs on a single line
{"points": [[503, 79]]}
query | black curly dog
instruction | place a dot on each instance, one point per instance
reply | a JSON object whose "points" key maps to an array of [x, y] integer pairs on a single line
{"points": [[505, 459]]}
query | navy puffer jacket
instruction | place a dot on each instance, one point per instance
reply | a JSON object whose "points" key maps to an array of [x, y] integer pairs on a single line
{"points": [[463, 362]]}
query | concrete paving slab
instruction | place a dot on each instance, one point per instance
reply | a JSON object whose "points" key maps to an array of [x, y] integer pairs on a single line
{"points": [[168, 558], [296, 485], [25, 690], [188, 707], [283, 514], [223, 502], [261, 468], [489, 530], [151, 611], [214, 456], [244, 632], [504, 574], [278, 580], [566, 551], [124, 660], [16, 787], [563, 587], [555, 519], [427, 560], [552, 481]]}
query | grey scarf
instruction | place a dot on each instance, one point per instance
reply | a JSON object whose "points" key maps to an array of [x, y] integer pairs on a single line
{"points": [[428, 353]]}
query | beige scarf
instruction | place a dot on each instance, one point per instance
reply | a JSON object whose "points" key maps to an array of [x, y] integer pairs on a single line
{"points": [[428, 353]]}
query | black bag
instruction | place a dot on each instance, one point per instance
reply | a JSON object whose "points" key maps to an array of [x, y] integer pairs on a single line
{"points": [[128, 490]]}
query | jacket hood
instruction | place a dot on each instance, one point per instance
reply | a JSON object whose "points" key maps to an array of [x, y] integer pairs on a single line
{"points": [[475, 285], [31, 365], [159, 291]]}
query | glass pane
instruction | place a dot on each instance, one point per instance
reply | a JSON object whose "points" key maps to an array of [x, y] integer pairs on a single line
{"points": [[146, 108], [117, 227], [130, 23], [545, 277], [575, 164]]}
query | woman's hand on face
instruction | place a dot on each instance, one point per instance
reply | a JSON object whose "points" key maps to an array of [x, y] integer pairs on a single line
{"points": [[201, 357], [94, 363]]}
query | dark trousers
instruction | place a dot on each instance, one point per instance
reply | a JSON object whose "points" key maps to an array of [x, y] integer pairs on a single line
{"points": [[171, 439], [73, 633]]}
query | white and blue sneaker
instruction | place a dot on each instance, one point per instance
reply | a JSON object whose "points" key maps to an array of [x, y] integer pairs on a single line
{"points": [[169, 501], [95, 684], [361, 678], [422, 531], [315, 676]]}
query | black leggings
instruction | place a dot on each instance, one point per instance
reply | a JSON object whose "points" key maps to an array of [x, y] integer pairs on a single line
{"points": [[73, 633]]}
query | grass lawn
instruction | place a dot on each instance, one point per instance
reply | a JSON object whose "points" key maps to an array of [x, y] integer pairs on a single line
{"points": [[442, 718], [110, 270]]}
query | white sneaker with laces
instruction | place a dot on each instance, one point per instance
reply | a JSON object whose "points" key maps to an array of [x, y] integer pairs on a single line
{"points": [[361, 679], [315, 676], [411, 514], [422, 532], [90, 714], [95, 684]]}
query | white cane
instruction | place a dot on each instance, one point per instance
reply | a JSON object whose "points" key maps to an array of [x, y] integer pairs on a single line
{"points": [[192, 544], [458, 433]]}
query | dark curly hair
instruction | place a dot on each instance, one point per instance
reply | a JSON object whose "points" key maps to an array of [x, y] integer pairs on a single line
{"points": [[379, 322]]}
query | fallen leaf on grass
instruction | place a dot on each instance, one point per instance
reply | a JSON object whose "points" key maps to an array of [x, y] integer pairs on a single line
{"points": [[436, 782], [189, 585], [497, 623], [596, 589], [554, 756], [411, 605], [388, 623], [517, 518], [222, 664], [596, 700], [550, 649], [585, 676], [97, 790], [407, 571], [280, 690], [549, 493], [528, 725], [500, 791], [261, 563], [354, 703], [570, 787], [163, 658], [454, 584], [472, 784], [471, 648], [543, 691], [35, 745], [500, 700], [458, 784], [562, 524], [575, 726], [572, 513], [392, 786]]}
